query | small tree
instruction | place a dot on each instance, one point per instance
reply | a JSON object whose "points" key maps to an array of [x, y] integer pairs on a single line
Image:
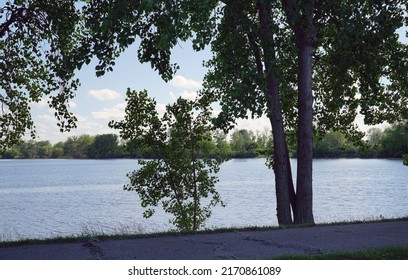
{"points": [[181, 177]]}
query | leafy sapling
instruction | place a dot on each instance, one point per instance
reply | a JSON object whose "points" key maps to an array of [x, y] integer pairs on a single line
{"points": [[182, 178]]}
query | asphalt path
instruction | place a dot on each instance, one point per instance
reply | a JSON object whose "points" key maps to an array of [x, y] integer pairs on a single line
{"points": [[229, 245]]}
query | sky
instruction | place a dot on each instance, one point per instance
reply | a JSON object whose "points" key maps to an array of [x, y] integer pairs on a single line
{"points": [[99, 100]]}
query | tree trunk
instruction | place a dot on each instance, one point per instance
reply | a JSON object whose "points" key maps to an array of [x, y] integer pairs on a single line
{"points": [[304, 193], [300, 18], [281, 164]]}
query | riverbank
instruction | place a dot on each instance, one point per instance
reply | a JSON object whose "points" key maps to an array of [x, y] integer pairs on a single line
{"points": [[238, 244]]}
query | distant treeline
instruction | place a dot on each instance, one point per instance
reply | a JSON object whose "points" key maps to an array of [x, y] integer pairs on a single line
{"points": [[80, 147], [389, 143]]}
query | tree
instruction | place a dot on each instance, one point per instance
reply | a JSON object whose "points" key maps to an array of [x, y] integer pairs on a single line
{"points": [[181, 178], [58, 150], [37, 61], [394, 141], [334, 144], [28, 149], [374, 137], [243, 143], [11, 153], [307, 65], [105, 146], [264, 53], [264, 143], [44, 149], [78, 146], [221, 143]]}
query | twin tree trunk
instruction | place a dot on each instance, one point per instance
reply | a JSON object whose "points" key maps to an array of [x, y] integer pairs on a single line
{"points": [[301, 201]]}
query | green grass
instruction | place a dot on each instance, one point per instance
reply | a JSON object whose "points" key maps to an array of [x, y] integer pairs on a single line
{"points": [[390, 253]]}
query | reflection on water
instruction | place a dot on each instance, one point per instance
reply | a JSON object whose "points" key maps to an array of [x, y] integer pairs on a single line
{"points": [[42, 198]]}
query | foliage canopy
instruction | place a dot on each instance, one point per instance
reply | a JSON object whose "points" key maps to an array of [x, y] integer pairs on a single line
{"points": [[38, 40]]}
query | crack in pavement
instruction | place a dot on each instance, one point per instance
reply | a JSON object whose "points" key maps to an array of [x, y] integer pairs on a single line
{"points": [[95, 251], [220, 251], [218, 248], [305, 249]]}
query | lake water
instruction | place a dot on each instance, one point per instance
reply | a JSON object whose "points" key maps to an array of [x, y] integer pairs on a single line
{"points": [[45, 198]]}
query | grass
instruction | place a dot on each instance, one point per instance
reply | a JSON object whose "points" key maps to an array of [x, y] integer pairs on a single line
{"points": [[125, 234], [390, 253]]}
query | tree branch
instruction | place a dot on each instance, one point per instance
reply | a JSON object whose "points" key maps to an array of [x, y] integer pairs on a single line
{"points": [[292, 11], [19, 14], [257, 53], [300, 19]]}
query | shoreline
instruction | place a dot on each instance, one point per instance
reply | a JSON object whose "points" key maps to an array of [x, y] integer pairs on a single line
{"points": [[86, 236]]}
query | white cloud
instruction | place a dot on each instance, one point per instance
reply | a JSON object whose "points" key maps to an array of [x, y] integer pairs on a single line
{"points": [[40, 104], [86, 126], [72, 104], [258, 124], [116, 112], [189, 95], [359, 121], [104, 94], [215, 112], [182, 82], [43, 103], [161, 108], [47, 129], [46, 119]]}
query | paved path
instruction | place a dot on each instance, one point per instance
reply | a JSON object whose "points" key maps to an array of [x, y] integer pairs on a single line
{"points": [[230, 245]]}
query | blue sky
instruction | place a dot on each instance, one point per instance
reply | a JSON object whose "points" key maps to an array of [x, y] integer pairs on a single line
{"points": [[102, 99]]}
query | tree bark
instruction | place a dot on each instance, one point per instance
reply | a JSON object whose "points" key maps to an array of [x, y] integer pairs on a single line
{"points": [[300, 18], [304, 191], [281, 164]]}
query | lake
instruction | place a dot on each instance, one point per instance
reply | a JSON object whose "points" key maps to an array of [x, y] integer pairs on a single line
{"points": [[46, 198]]}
